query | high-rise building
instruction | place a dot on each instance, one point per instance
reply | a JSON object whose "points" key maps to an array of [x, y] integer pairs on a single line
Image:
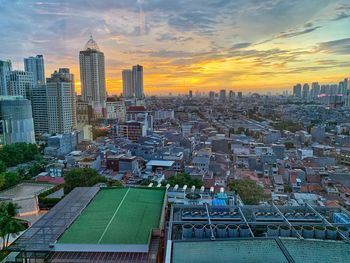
{"points": [[306, 89], [190, 93], [222, 95], [5, 69], [38, 98], [297, 90], [346, 83], [211, 95], [16, 121], [239, 95], [231, 95], [37, 67], [66, 73], [128, 87], [20, 83], [60, 94], [315, 89], [137, 78], [92, 73]]}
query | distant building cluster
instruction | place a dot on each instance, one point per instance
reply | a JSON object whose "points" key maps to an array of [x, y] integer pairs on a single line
{"points": [[54, 106], [335, 95]]}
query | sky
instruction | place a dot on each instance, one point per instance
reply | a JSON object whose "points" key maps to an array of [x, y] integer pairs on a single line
{"points": [[239, 45]]}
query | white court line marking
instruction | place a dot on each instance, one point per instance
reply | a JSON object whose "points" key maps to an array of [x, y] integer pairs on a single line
{"points": [[110, 221]]}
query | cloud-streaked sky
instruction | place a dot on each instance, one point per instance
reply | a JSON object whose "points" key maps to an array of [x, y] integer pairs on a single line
{"points": [[249, 45]]}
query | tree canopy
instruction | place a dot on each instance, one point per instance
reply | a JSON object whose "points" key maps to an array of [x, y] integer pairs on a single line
{"points": [[248, 190], [2, 167], [9, 225], [289, 145], [99, 133], [9, 179], [81, 177], [183, 179], [16, 153]]}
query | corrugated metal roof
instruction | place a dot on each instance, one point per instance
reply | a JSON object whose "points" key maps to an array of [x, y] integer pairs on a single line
{"points": [[237, 251], [160, 163]]}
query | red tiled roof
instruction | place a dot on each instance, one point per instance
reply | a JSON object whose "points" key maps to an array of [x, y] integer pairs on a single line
{"points": [[293, 177], [50, 179], [136, 108]]}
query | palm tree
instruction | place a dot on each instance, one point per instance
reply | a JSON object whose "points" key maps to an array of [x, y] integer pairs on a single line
{"points": [[9, 225]]}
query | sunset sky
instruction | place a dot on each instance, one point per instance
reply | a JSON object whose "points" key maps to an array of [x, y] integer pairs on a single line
{"points": [[186, 44]]}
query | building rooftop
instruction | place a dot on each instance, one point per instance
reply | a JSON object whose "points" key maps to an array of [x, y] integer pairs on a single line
{"points": [[160, 163], [115, 216], [278, 250]]}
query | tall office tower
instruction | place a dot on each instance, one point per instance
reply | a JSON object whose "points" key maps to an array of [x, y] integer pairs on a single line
{"points": [[5, 69], [66, 73], [239, 95], [20, 83], [92, 73], [60, 95], [231, 95], [38, 98], [315, 89], [297, 90], [137, 78], [211, 95], [128, 87], [222, 95], [16, 121], [346, 84], [306, 89], [341, 88], [190, 93], [36, 66]]}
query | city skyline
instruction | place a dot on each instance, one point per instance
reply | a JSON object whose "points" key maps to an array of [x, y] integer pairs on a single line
{"points": [[245, 45]]}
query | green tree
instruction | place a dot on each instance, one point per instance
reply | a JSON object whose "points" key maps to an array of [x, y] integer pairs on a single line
{"points": [[99, 133], [9, 225], [114, 183], [289, 145], [81, 177], [9, 179], [16, 153], [2, 167], [183, 179], [248, 190]]}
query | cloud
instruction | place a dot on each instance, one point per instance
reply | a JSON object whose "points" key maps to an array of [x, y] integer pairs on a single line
{"points": [[342, 7], [309, 24], [173, 37], [341, 16], [294, 33], [340, 46], [241, 45]]}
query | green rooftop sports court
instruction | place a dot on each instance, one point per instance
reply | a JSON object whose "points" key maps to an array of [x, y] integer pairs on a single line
{"points": [[117, 216]]}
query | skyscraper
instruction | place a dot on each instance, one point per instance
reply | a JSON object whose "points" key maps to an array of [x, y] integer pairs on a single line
{"points": [[5, 69], [137, 78], [38, 98], [222, 95], [37, 67], [92, 73], [306, 89], [20, 83], [60, 94], [211, 95], [66, 73], [16, 120], [128, 88], [315, 89], [297, 90]]}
